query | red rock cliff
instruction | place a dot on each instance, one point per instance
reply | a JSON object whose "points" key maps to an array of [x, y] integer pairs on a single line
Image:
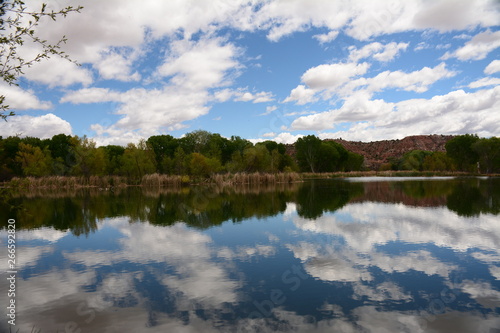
{"points": [[379, 152]]}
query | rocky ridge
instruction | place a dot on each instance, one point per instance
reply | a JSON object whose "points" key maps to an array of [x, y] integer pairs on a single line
{"points": [[377, 153]]}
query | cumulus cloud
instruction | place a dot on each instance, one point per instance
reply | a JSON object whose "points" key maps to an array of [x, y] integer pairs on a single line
{"points": [[328, 37], [196, 59], [302, 95], [20, 99], [484, 82], [344, 80], [453, 113], [44, 127], [418, 81], [58, 72], [363, 20], [260, 97], [493, 67], [116, 66], [378, 51], [477, 48], [332, 76], [199, 65]]}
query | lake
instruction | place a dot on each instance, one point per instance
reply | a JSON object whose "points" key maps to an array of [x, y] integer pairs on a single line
{"points": [[340, 255]]}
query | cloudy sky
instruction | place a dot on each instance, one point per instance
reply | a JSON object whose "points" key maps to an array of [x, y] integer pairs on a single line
{"points": [[265, 69]]}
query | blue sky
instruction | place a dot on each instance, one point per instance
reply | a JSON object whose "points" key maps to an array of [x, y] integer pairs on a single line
{"points": [[265, 70]]}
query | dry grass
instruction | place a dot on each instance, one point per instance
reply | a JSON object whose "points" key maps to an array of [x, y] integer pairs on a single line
{"points": [[254, 178], [65, 182], [161, 180]]}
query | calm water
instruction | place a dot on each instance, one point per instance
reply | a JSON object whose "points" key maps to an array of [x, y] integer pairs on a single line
{"points": [[361, 255]]}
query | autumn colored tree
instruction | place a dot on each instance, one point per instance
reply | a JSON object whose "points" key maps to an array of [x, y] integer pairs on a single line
{"points": [[89, 160], [137, 160], [34, 161]]}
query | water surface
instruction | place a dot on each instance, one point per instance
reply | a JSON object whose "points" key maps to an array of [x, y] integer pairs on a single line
{"points": [[377, 255]]}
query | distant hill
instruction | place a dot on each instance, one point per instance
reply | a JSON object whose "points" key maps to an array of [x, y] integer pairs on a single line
{"points": [[377, 153], [380, 152]]}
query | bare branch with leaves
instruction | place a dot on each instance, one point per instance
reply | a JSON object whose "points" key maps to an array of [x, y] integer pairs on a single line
{"points": [[18, 25]]}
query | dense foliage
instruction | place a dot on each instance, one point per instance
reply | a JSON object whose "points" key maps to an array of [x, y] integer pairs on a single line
{"points": [[199, 153], [467, 153]]}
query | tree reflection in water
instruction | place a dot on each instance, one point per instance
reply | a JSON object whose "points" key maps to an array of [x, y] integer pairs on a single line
{"points": [[335, 255]]}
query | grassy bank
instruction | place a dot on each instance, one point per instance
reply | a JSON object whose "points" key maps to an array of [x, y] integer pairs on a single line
{"points": [[227, 179], [151, 180]]}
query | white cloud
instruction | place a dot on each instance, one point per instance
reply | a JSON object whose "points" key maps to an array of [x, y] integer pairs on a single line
{"points": [[166, 108], [44, 127], [269, 110], [340, 79], [332, 76], [378, 51], [328, 37], [418, 81], [20, 99], [195, 60], [477, 48], [199, 65], [484, 82], [193, 68], [260, 97], [58, 72], [284, 137], [457, 112], [366, 19], [302, 95], [447, 15], [115, 66], [493, 67], [91, 95]]}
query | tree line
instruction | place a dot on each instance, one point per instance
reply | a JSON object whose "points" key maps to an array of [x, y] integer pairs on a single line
{"points": [[466, 153], [198, 153], [201, 154]]}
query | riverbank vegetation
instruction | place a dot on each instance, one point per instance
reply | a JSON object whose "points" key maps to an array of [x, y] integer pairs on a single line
{"points": [[198, 157], [65, 161]]}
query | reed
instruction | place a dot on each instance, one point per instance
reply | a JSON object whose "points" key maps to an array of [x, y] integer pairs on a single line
{"points": [[151, 180], [65, 182], [254, 178], [161, 180]]}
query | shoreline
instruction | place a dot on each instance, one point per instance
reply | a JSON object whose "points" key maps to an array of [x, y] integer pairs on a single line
{"points": [[228, 179]]}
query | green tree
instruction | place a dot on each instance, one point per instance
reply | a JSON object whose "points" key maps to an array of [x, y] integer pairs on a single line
{"points": [[89, 160], [460, 150], [488, 151], [113, 155], [328, 158], [164, 147], [414, 160], [437, 161], [308, 149], [18, 25], [62, 150], [354, 162], [256, 159], [202, 166], [179, 163], [33, 160], [137, 161], [8, 164]]}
